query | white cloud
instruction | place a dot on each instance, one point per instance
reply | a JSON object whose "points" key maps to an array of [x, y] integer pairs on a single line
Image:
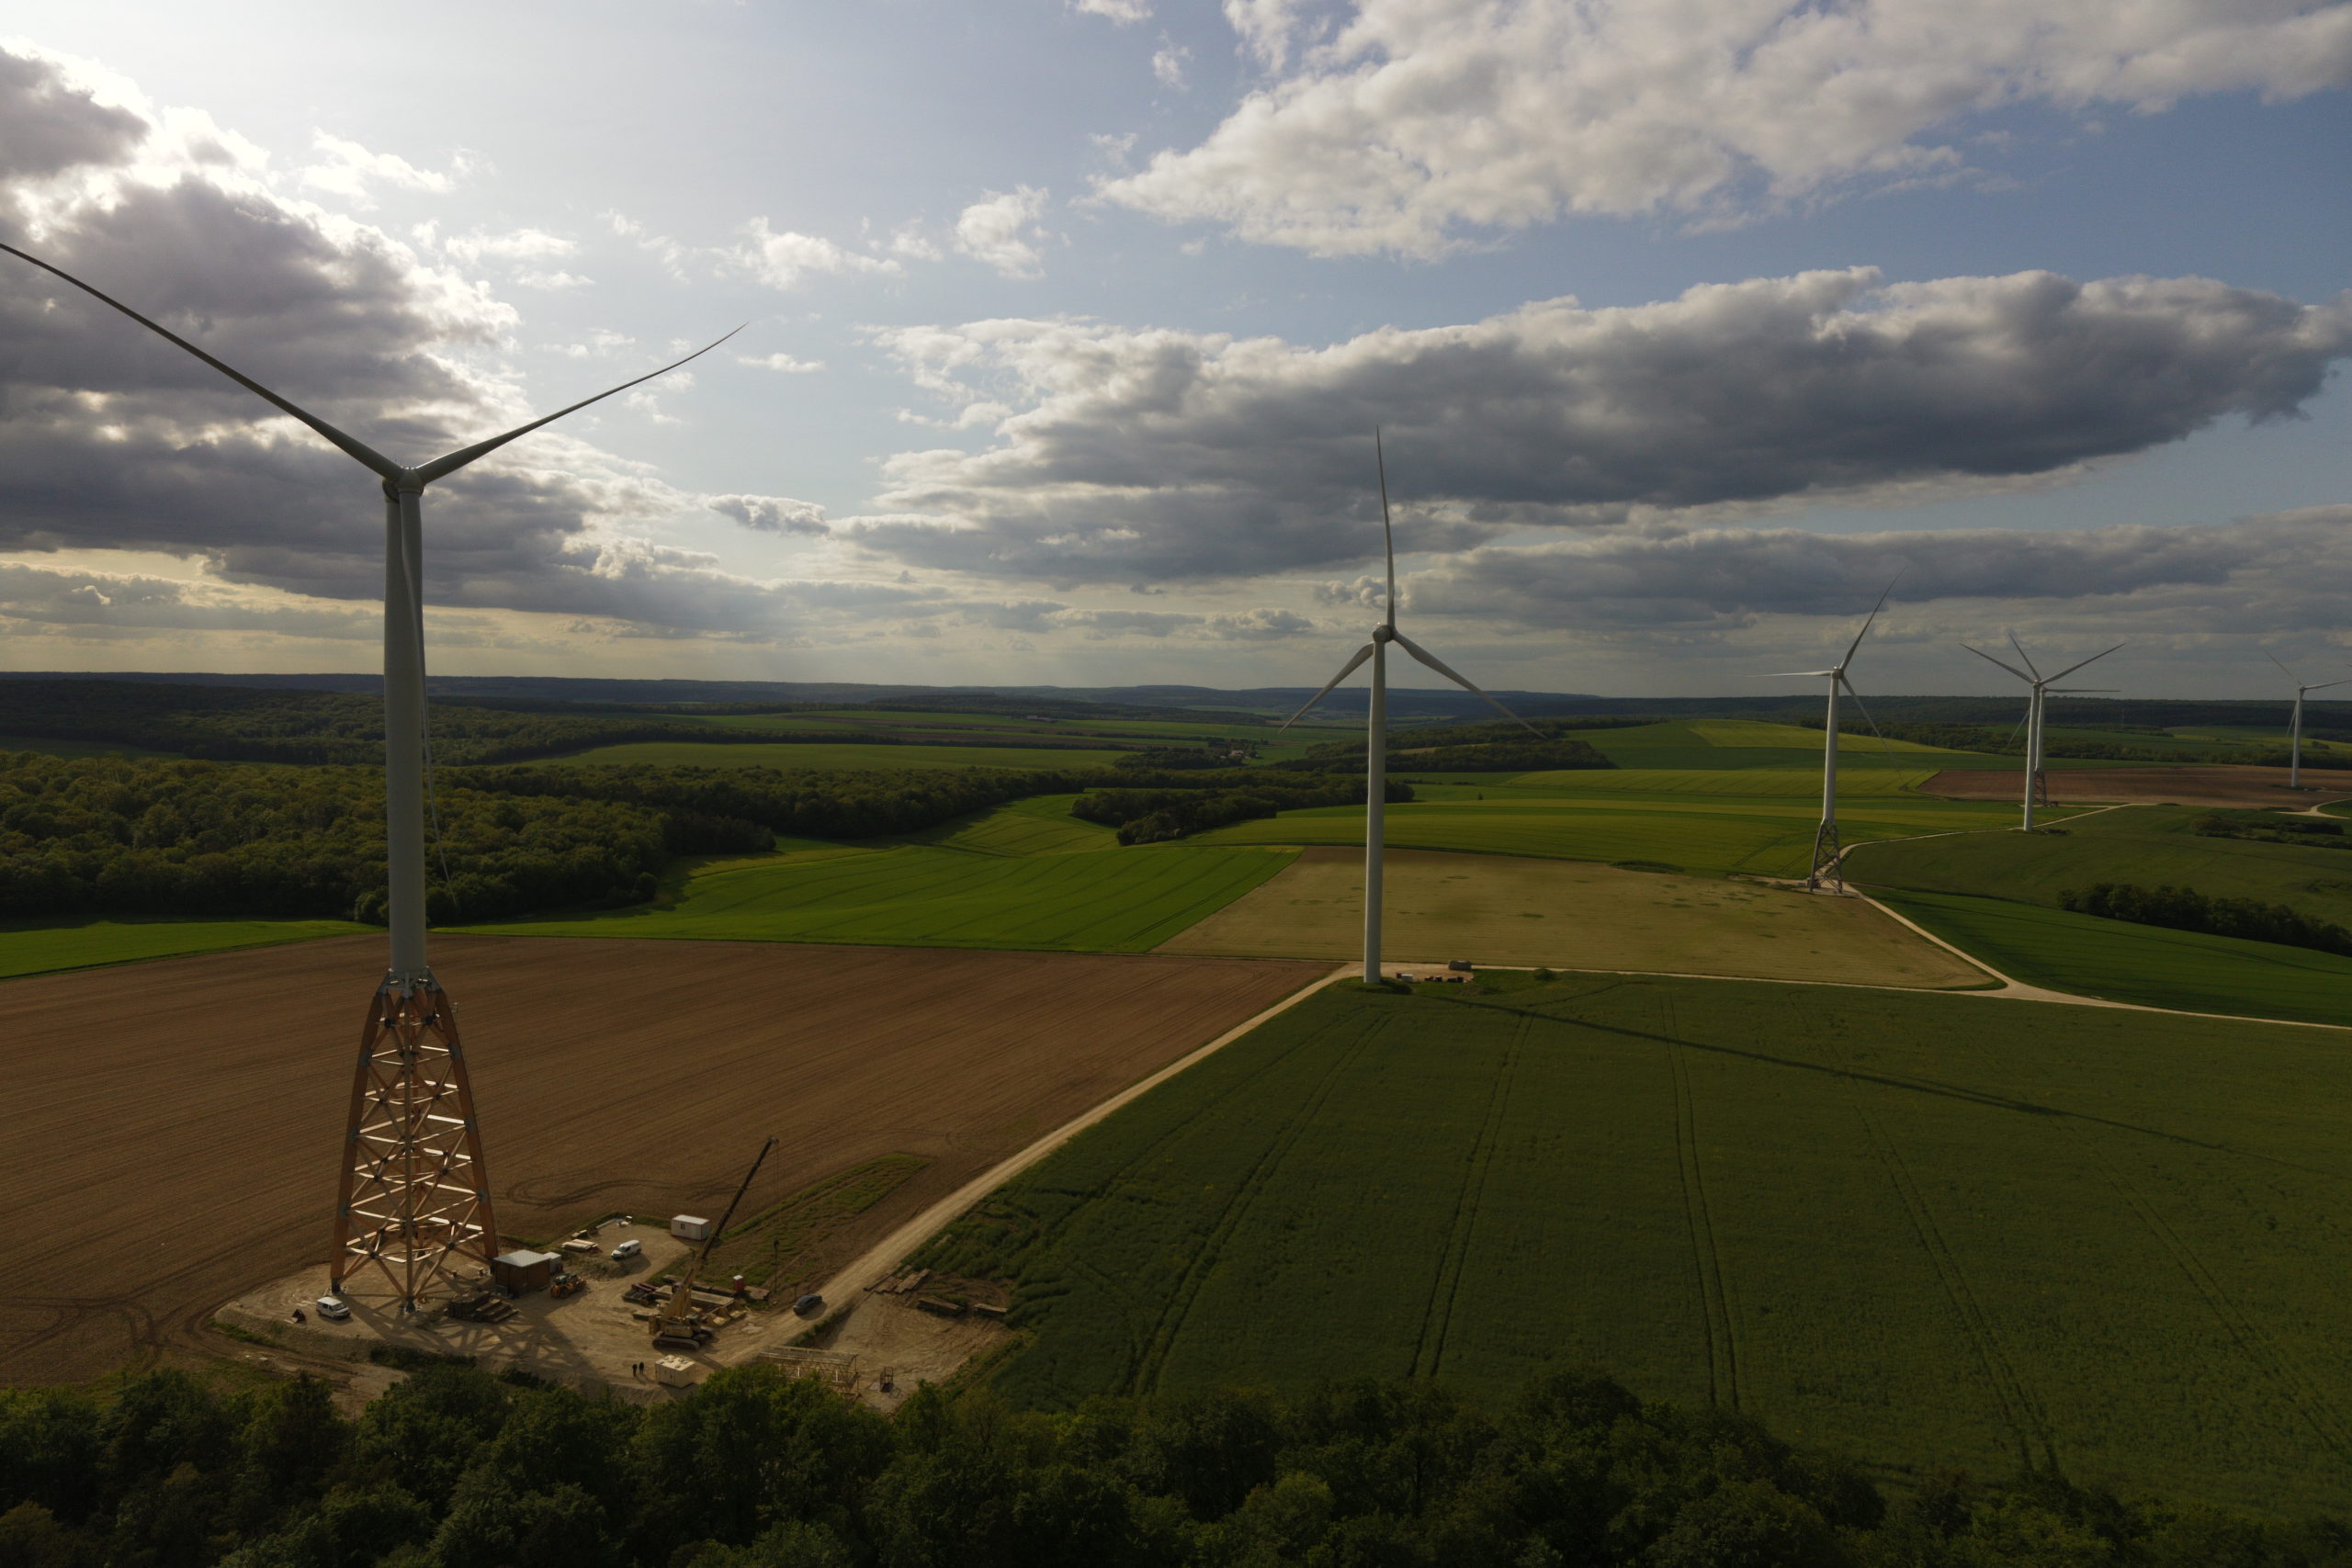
{"points": [[554, 281], [1168, 63], [770, 514], [1408, 122], [520, 245], [1143, 456], [783, 260], [1002, 230], [1125, 13], [785, 363], [348, 169]]}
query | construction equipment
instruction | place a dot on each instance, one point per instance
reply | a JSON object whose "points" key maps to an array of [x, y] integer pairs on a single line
{"points": [[678, 1322]]}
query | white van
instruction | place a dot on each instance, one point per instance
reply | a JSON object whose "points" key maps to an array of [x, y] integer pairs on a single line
{"points": [[627, 1250]]}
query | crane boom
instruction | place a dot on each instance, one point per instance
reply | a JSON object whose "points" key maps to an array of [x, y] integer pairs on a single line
{"points": [[678, 1319]]}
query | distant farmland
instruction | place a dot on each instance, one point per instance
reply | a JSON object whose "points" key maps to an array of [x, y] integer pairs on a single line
{"points": [[1703, 834], [1926, 1230], [923, 895]]}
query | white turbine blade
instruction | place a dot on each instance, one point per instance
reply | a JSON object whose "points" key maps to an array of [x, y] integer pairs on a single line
{"points": [[1418, 652], [2002, 662], [2323, 685], [2028, 657], [1776, 674], [1866, 624], [440, 466], [1387, 535], [2092, 659], [1864, 706], [2079, 691], [1345, 670], [2284, 671], [374, 459]]}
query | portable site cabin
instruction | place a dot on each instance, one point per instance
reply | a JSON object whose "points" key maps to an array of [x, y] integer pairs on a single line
{"points": [[690, 1227], [524, 1271]]}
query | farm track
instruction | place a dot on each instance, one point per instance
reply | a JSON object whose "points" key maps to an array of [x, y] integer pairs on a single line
{"points": [[1707, 1259], [1437, 1318], [173, 1124], [1245, 1195], [2021, 1412], [2296, 1388]]}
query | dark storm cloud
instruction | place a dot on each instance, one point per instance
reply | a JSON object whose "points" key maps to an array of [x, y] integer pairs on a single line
{"points": [[2263, 574], [1124, 456], [112, 438]]}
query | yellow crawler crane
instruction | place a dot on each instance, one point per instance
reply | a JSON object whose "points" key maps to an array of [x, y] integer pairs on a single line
{"points": [[677, 1323]]}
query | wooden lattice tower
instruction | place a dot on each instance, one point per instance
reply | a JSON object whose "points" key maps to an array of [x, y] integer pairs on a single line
{"points": [[415, 1199]]}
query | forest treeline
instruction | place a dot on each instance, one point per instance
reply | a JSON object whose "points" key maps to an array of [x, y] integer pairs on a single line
{"points": [[2010, 742], [156, 837], [245, 724], [1155, 816], [1496, 748], [453, 1468], [2186, 909]]}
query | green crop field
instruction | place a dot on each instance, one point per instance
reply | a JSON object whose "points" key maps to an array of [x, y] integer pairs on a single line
{"points": [[1711, 837], [2150, 845], [1040, 825], [2126, 963], [84, 944], [1932, 1231], [1110, 900], [837, 754]]}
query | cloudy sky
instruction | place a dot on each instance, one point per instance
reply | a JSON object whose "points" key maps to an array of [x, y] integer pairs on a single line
{"points": [[1065, 324]]}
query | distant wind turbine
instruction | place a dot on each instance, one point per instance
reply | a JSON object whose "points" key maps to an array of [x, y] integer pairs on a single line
{"points": [[414, 1190], [2041, 687], [1376, 760], [2295, 740], [1826, 863]]}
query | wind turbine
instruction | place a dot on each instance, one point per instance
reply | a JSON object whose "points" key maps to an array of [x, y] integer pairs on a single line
{"points": [[414, 1190], [1826, 851], [1376, 760], [2295, 742], [2043, 687]]}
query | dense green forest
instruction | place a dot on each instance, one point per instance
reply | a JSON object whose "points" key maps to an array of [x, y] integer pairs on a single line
{"points": [[248, 725], [119, 836], [453, 1468]]}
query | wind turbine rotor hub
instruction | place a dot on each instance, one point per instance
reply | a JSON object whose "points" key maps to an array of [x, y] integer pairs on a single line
{"points": [[1384, 633]]}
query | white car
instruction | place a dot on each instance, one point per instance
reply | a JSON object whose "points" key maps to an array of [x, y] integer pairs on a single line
{"points": [[627, 1250], [332, 1308]]}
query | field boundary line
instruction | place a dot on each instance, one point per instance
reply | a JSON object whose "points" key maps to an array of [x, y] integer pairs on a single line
{"points": [[883, 1260], [2017, 991]]}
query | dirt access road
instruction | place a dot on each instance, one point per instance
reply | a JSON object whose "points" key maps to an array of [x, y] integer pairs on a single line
{"points": [[2218, 786], [174, 1125]]}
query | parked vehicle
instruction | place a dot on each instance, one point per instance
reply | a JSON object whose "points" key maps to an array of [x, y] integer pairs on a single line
{"points": [[809, 1306], [627, 1250], [332, 1307]]}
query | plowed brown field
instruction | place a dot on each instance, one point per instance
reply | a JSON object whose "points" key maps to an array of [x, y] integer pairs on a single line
{"points": [[2150, 786], [173, 1126]]}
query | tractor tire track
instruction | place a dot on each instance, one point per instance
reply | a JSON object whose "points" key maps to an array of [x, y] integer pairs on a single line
{"points": [[2022, 1412], [1437, 1317], [1246, 1192], [1706, 1255], [2296, 1388]]}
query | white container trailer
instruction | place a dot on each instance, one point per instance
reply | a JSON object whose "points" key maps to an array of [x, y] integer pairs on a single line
{"points": [[690, 1227]]}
